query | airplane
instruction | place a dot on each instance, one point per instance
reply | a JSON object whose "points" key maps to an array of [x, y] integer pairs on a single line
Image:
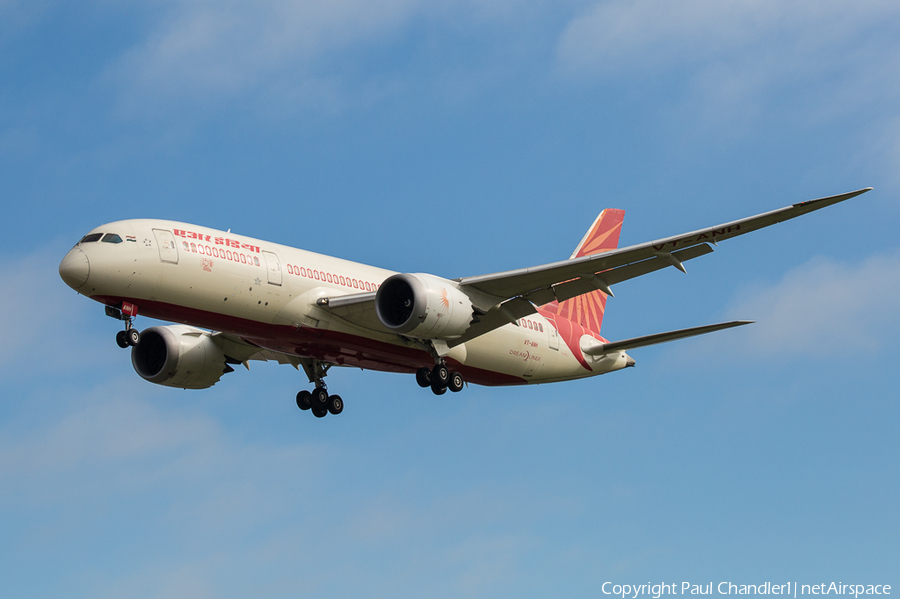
{"points": [[236, 299]]}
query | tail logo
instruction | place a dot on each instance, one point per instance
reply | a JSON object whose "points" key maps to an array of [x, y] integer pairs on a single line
{"points": [[587, 310]]}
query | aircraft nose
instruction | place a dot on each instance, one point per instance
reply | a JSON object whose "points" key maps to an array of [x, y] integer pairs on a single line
{"points": [[75, 268]]}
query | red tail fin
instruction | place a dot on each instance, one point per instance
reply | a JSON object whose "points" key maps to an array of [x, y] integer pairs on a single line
{"points": [[603, 236]]}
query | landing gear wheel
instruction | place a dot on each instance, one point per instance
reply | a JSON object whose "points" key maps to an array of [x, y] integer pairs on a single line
{"points": [[304, 400], [423, 377], [133, 336], [438, 389], [440, 375], [319, 398], [319, 412], [335, 404], [456, 382], [122, 339]]}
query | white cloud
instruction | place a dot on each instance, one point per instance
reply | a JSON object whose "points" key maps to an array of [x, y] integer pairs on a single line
{"points": [[211, 49], [198, 507], [730, 54], [643, 33], [283, 55], [116, 466], [824, 308]]}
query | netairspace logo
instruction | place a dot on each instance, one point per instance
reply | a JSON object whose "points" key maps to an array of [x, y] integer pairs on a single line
{"points": [[633, 591]]}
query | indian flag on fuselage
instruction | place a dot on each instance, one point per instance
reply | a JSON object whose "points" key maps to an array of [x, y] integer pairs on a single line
{"points": [[603, 236]]}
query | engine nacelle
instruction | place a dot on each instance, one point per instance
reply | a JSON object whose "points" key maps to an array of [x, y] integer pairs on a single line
{"points": [[423, 306], [179, 356]]}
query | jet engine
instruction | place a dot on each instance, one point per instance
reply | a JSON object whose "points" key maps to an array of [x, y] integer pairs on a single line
{"points": [[423, 306], [179, 356]]}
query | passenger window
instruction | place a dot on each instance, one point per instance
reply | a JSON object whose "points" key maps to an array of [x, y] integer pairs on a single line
{"points": [[91, 237]]}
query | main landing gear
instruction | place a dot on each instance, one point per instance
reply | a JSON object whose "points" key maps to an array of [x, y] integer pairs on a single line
{"points": [[319, 402], [440, 378], [130, 336]]}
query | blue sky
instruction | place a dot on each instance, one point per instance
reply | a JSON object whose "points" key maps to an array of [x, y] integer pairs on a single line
{"points": [[459, 138]]}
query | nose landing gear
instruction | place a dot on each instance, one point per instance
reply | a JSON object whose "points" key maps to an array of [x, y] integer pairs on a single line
{"points": [[130, 336]]}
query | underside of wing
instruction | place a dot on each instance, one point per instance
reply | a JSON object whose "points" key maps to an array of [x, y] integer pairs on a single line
{"points": [[239, 351]]}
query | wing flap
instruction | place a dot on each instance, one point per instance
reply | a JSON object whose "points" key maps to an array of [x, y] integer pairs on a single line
{"points": [[586, 284]]}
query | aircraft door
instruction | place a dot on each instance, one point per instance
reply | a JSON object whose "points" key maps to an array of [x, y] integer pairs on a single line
{"points": [[168, 251], [554, 336], [273, 267]]}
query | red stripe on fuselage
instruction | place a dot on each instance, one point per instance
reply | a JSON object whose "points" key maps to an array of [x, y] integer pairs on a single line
{"points": [[330, 346]]}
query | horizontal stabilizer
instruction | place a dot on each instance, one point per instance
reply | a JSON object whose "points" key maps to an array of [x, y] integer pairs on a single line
{"points": [[598, 349]]}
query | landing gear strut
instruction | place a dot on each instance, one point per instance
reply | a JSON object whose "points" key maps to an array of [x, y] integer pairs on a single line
{"points": [[318, 401]]}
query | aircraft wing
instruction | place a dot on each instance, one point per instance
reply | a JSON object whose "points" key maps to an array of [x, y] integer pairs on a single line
{"points": [[240, 351], [539, 283], [504, 297]]}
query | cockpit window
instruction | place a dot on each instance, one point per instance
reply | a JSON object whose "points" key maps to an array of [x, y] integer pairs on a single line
{"points": [[111, 238], [91, 237]]}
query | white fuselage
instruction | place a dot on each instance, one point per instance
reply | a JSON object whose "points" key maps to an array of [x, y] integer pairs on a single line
{"points": [[266, 293]]}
